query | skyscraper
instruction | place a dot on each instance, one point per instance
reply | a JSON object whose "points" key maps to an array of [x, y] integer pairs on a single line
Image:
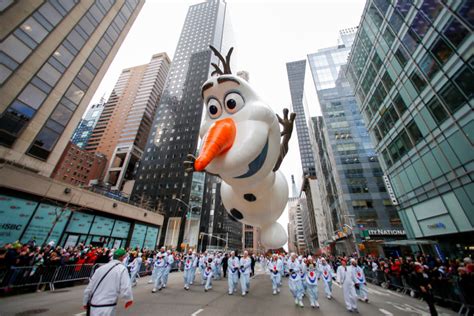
{"points": [[297, 240], [84, 130], [175, 130], [363, 201], [54, 55], [296, 77], [126, 120], [415, 88]]}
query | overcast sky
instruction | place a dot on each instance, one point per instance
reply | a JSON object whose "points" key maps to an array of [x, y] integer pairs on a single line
{"points": [[268, 34]]}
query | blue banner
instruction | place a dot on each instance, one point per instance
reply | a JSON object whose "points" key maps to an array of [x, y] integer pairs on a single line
{"points": [[80, 223], [14, 215], [151, 236], [102, 226], [48, 219], [121, 229], [138, 236]]}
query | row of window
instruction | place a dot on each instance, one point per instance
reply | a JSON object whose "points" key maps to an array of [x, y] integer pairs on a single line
{"points": [[51, 131], [18, 115], [21, 43]]}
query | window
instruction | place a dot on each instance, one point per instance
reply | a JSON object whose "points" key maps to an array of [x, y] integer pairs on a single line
{"points": [[411, 41], [465, 80], [431, 8], [401, 56], [49, 74], [420, 25], [32, 96], [452, 97], [455, 32], [396, 21], [15, 48], [61, 114], [388, 36], [34, 30], [417, 81], [466, 11], [441, 51], [429, 66], [414, 132], [437, 110], [399, 104]]}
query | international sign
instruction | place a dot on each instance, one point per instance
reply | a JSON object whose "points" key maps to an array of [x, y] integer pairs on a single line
{"points": [[386, 232]]}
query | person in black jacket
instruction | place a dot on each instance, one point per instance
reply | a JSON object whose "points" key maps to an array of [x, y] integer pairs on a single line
{"points": [[224, 264], [252, 264], [422, 284]]}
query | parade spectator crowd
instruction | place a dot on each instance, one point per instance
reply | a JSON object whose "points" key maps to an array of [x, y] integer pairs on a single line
{"points": [[448, 280]]}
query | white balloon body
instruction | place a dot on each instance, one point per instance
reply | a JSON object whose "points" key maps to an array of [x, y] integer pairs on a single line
{"points": [[251, 192]]}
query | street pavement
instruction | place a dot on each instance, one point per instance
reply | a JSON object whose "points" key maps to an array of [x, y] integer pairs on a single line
{"points": [[174, 300]]}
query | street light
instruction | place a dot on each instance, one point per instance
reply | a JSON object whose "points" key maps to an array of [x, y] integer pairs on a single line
{"points": [[211, 235], [352, 232], [188, 222]]}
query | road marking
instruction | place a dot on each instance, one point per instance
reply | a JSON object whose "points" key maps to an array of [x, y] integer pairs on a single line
{"points": [[197, 312], [383, 311], [372, 291], [80, 314]]}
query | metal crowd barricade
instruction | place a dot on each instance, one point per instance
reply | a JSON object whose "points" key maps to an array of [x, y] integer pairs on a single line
{"points": [[26, 276], [72, 272]]}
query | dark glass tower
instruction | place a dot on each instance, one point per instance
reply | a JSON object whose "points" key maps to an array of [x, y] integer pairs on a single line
{"points": [[296, 76], [160, 174]]}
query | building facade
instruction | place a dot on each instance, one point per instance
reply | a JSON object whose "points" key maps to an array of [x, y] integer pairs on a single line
{"points": [[84, 130], [35, 207], [363, 198], [125, 123], [411, 68], [220, 230], [296, 77], [298, 221], [175, 130], [80, 167], [54, 55]]}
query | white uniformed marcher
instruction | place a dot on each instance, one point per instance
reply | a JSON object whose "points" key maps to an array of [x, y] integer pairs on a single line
{"points": [[311, 280], [245, 263], [188, 269], [233, 265], [108, 283], [294, 282], [346, 278], [160, 267], [135, 268], [275, 266], [327, 274], [207, 273], [169, 259], [361, 284]]}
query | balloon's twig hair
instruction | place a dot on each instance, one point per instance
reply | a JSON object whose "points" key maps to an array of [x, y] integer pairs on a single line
{"points": [[225, 62]]}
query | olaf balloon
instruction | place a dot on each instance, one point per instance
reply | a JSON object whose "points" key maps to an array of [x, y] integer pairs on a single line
{"points": [[241, 144]]}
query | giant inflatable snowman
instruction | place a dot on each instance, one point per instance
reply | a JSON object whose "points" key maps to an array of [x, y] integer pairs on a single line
{"points": [[241, 144]]}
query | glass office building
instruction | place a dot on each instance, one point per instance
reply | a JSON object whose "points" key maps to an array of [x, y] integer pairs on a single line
{"points": [[160, 175], [84, 130], [362, 199], [296, 79], [53, 57], [411, 68]]}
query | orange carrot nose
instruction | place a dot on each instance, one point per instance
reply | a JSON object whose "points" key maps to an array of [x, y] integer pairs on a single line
{"points": [[218, 140]]}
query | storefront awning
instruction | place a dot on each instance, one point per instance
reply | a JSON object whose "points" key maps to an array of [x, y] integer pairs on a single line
{"points": [[410, 242]]}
